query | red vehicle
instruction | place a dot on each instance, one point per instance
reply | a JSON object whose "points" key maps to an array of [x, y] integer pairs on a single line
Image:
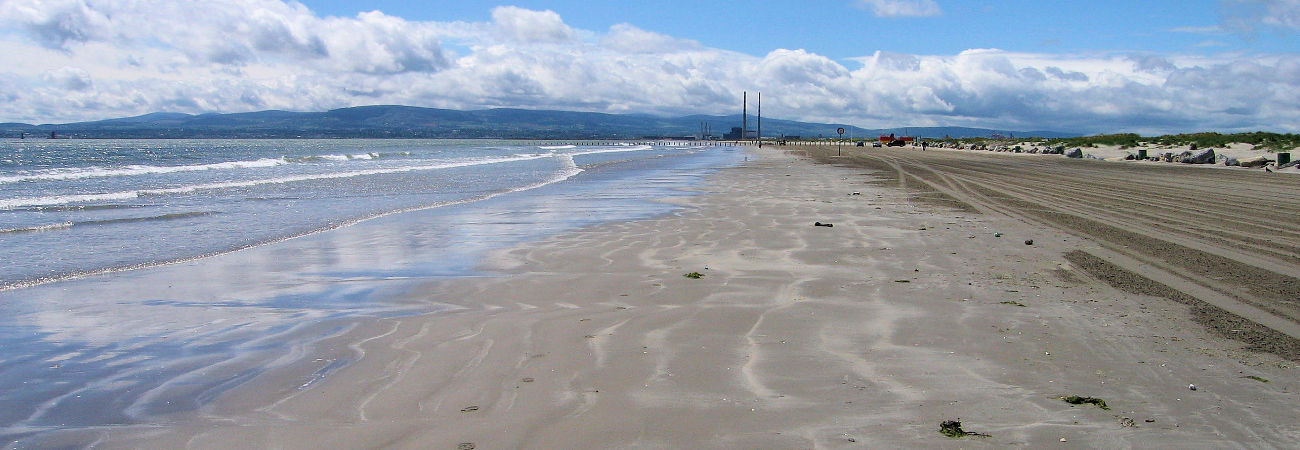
{"points": [[895, 141]]}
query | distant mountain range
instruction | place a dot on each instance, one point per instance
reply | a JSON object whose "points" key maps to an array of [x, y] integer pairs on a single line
{"points": [[415, 122]]}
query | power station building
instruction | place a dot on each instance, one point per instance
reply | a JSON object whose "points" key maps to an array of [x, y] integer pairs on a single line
{"points": [[734, 134]]}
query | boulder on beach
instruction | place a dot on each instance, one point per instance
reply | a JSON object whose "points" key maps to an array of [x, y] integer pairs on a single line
{"points": [[1204, 157], [1076, 153], [1257, 161]]}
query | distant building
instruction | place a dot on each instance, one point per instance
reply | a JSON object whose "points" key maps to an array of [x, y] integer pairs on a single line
{"points": [[735, 135]]}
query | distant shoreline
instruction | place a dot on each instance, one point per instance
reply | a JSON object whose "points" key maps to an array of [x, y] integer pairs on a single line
{"points": [[394, 121]]}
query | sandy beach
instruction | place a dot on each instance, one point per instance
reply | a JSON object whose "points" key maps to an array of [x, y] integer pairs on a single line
{"points": [[906, 313]]}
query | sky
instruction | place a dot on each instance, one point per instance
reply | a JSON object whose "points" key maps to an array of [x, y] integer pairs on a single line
{"points": [[1102, 66]]}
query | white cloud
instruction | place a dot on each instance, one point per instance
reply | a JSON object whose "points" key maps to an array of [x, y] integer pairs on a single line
{"points": [[523, 25], [630, 39], [57, 23], [798, 67], [87, 60], [1151, 64], [1283, 13], [902, 8], [1211, 29], [68, 78], [1248, 15], [1210, 44], [231, 33], [380, 44], [1100, 93]]}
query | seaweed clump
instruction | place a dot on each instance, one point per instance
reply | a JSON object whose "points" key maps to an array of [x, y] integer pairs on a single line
{"points": [[1077, 400], [694, 275], [952, 429]]}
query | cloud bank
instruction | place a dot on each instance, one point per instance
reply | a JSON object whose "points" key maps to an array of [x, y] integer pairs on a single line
{"points": [[72, 60]]}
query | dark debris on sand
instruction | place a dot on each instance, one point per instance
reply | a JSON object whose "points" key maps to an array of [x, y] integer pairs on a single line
{"points": [[1078, 400], [952, 429]]}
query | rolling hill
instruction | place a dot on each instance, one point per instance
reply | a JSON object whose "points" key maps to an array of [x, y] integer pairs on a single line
{"points": [[385, 121]]}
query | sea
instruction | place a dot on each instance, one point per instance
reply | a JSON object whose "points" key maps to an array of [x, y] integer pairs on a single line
{"points": [[142, 278]]}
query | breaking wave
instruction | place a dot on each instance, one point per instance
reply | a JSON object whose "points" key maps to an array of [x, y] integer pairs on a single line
{"points": [[80, 173], [127, 195]]}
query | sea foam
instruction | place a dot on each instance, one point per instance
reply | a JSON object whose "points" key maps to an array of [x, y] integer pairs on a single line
{"points": [[79, 173], [22, 202]]}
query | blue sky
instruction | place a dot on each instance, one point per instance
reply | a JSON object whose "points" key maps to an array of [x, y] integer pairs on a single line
{"points": [[1101, 66], [846, 29]]}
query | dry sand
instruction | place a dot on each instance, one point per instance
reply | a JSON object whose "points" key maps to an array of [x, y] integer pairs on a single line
{"points": [[1236, 151], [867, 334], [1116, 153]]}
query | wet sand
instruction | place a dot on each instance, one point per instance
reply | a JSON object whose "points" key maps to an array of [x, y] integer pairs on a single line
{"points": [[867, 334]]}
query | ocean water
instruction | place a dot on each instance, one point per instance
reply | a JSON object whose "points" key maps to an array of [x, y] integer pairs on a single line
{"points": [[71, 207], [140, 279]]}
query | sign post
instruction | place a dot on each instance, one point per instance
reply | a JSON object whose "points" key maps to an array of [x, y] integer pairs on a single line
{"points": [[839, 151]]}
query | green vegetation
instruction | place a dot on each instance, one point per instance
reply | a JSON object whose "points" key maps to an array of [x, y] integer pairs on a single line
{"points": [[694, 275], [1122, 140], [1259, 139], [1077, 400], [971, 140]]}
